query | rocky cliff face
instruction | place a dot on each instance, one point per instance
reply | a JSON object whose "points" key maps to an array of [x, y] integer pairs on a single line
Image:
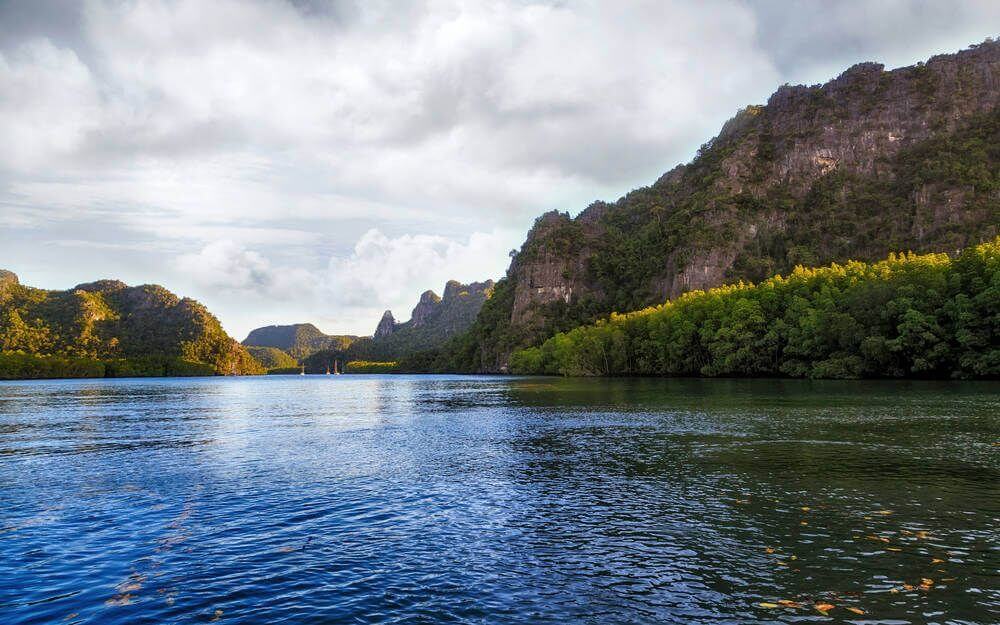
{"points": [[386, 325], [434, 320], [870, 162], [425, 308]]}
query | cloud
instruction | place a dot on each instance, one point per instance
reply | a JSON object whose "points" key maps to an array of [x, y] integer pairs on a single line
{"points": [[226, 265], [351, 291], [391, 272]]}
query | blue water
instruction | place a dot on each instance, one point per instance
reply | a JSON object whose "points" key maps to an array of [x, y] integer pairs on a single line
{"points": [[436, 499]]}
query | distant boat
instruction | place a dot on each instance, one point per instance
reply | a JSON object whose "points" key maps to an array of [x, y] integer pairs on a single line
{"points": [[303, 372]]}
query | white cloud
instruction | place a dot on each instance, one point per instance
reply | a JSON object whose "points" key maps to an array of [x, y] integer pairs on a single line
{"points": [[391, 272], [227, 266]]}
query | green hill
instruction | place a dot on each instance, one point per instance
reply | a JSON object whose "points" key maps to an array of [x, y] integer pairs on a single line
{"points": [[297, 340], [271, 357], [109, 328]]}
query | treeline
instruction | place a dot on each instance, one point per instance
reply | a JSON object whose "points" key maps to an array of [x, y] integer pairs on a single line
{"points": [[365, 366], [907, 316], [21, 366]]}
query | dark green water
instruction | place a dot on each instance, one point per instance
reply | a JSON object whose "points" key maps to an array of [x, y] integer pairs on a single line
{"points": [[440, 499]]}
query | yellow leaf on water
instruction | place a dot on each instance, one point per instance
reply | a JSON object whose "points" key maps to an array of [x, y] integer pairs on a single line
{"points": [[765, 604], [806, 508], [823, 608], [884, 512], [216, 615], [768, 550], [803, 522], [893, 549], [856, 610], [937, 561], [788, 603], [948, 579], [793, 557]]}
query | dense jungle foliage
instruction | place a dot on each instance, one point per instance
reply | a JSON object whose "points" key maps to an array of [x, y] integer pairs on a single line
{"points": [[364, 366], [908, 316], [271, 357], [110, 329], [298, 340]]}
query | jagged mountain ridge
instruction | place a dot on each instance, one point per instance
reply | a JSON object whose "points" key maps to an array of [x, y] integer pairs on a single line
{"points": [[868, 163], [433, 321], [110, 320]]}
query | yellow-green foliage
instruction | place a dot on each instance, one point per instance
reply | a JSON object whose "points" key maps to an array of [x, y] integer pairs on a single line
{"points": [[143, 330], [909, 315], [365, 366], [271, 357]]}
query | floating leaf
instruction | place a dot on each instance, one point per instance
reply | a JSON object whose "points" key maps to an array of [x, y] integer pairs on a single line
{"points": [[884, 512], [856, 610], [768, 550], [823, 608], [806, 508], [119, 600], [788, 603], [765, 604], [216, 616], [893, 549], [937, 561]]}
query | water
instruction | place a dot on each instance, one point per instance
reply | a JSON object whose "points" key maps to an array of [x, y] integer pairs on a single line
{"points": [[394, 499]]}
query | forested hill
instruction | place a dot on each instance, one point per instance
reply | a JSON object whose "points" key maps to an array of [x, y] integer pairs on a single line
{"points": [[108, 328], [871, 162], [907, 316], [297, 340]]}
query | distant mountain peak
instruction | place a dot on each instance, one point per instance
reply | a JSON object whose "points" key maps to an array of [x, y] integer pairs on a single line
{"points": [[386, 326]]}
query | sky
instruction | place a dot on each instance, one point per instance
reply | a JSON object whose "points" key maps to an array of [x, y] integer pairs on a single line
{"points": [[288, 161]]}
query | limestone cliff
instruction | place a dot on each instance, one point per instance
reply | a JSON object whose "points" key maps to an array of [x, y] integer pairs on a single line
{"points": [[386, 325], [434, 321], [871, 162]]}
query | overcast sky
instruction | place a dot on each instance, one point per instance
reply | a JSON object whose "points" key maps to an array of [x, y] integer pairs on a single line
{"points": [[304, 160]]}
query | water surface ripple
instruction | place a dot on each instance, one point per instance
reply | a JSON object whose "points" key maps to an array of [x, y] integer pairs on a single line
{"points": [[438, 499]]}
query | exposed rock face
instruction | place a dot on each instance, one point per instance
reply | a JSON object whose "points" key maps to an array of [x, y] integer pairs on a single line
{"points": [[434, 321], [855, 168], [386, 326], [8, 277], [424, 308]]}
